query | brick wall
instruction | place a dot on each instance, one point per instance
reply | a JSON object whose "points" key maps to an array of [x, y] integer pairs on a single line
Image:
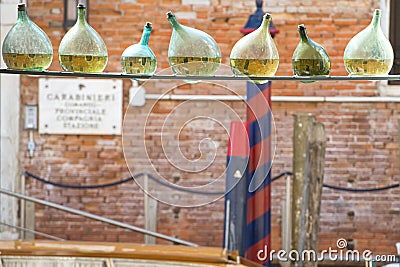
{"points": [[361, 152], [362, 148]]}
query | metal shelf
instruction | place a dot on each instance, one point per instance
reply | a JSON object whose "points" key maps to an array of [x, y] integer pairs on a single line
{"points": [[113, 75]]}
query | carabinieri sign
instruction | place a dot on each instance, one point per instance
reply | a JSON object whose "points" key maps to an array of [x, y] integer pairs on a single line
{"points": [[80, 106]]}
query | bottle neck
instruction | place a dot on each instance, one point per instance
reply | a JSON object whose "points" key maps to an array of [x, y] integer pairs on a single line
{"points": [[145, 35], [303, 34], [81, 15], [376, 20], [22, 15], [265, 23], [172, 19]]}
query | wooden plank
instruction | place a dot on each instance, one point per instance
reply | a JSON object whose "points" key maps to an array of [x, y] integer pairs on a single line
{"points": [[150, 213], [27, 214], [312, 191], [22, 207], [29, 219], [301, 127], [212, 255]]}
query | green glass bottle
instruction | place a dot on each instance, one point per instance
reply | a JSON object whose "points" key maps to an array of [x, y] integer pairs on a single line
{"points": [[309, 58], [255, 54], [139, 58], [26, 46], [192, 52], [82, 49], [369, 52]]}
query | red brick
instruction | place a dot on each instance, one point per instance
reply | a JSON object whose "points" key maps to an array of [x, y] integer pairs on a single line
{"points": [[76, 154]]}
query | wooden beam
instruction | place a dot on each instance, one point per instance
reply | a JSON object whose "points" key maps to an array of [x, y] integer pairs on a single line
{"points": [[312, 191], [150, 213], [301, 127]]}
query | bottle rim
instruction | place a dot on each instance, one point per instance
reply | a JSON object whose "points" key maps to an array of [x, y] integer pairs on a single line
{"points": [[21, 7], [267, 15], [301, 27], [378, 11], [170, 14]]}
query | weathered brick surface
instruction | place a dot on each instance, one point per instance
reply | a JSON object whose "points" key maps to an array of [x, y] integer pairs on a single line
{"points": [[362, 152], [362, 147]]}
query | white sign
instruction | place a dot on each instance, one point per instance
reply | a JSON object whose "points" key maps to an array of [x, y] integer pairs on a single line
{"points": [[80, 106]]}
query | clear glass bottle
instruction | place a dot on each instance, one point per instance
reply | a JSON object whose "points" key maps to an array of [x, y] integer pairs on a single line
{"points": [[26, 46], [369, 52], [192, 52], [139, 58], [309, 58], [255, 54], [82, 49]]}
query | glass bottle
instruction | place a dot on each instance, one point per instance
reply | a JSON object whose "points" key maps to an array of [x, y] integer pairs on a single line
{"points": [[255, 54], [26, 46], [369, 52], [82, 49], [139, 58], [309, 58], [192, 52]]}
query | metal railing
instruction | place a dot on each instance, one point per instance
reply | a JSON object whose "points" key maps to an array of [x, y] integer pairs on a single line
{"points": [[114, 75], [97, 217]]}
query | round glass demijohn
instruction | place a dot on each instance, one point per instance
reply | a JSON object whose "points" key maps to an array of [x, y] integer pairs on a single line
{"points": [[192, 52], [82, 49], [309, 58], [139, 58], [369, 52], [255, 54], [26, 46]]}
